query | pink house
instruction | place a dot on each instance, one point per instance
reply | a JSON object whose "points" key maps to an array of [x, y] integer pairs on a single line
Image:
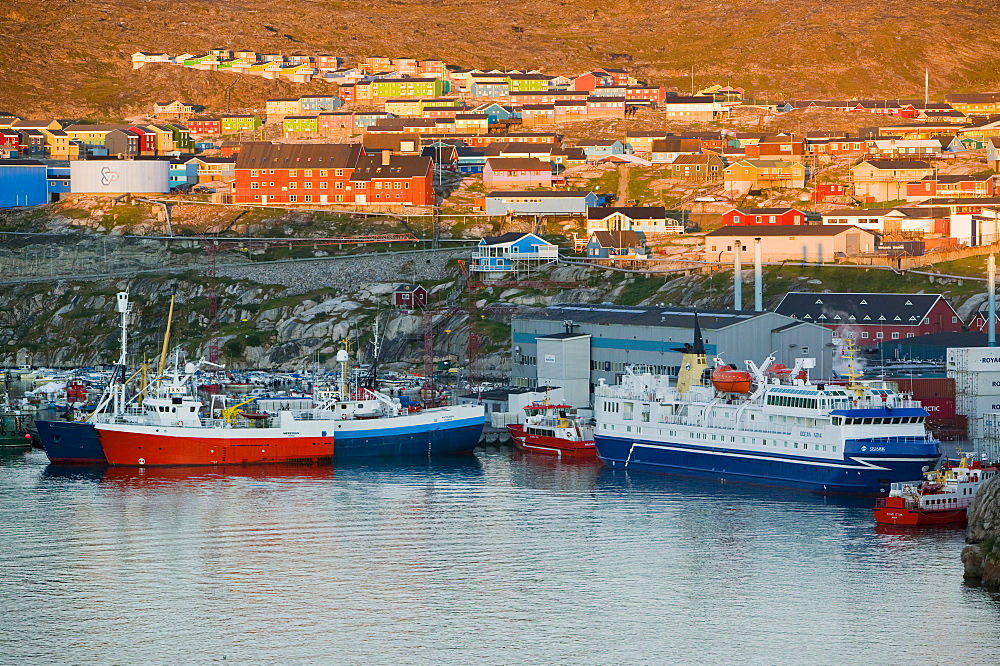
{"points": [[520, 171]]}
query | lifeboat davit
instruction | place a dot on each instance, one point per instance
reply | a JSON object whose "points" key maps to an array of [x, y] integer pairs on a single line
{"points": [[730, 380]]}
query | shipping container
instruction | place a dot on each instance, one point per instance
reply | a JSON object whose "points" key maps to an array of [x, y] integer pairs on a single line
{"points": [[927, 387], [986, 382], [939, 409], [973, 359], [988, 443]]}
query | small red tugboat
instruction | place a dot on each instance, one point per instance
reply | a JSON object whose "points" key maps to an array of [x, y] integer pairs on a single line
{"points": [[942, 498], [548, 429]]}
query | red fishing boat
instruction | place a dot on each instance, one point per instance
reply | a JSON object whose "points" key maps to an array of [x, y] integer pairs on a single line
{"points": [[552, 430], [942, 498]]}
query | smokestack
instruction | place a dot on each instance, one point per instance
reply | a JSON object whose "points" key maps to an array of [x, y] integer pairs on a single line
{"points": [[738, 276], [758, 278], [386, 156], [991, 311]]}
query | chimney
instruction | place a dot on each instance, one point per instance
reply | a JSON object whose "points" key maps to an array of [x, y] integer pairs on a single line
{"points": [[991, 309], [758, 280], [738, 275], [386, 156]]}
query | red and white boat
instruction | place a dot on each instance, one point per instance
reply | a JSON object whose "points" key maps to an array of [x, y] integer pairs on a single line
{"points": [[549, 429], [942, 498], [169, 428]]}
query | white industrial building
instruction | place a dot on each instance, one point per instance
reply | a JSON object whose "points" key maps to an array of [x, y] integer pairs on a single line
{"points": [[576, 346]]}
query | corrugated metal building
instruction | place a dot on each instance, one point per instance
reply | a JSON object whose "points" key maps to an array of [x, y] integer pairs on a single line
{"points": [[23, 183], [144, 176], [575, 346]]}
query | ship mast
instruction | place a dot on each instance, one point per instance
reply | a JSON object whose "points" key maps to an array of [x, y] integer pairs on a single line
{"points": [[693, 362], [124, 309]]}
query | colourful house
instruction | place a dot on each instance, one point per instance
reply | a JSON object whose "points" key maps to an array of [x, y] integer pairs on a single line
{"points": [[512, 252], [528, 82], [520, 171], [763, 174], [318, 103], [764, 216], [236, 123], [300, 125]]}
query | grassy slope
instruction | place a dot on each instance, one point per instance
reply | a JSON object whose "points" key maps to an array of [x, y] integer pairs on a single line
{"points": [[70, 58]]}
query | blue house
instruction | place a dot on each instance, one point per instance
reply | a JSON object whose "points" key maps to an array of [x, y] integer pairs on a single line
{"points": [[496, 112], [540, 203], [366, 120], [597, 149], [183, 173], [57, 182], [489, 89], [23, 183], [471, 160], [516, 252], [320, 103], [615, 246]]}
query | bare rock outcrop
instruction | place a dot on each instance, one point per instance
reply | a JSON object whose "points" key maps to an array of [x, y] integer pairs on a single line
{"points": [[982, 556]]}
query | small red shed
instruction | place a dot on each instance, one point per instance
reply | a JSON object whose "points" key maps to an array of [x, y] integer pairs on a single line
{"points": [[409, 296]]}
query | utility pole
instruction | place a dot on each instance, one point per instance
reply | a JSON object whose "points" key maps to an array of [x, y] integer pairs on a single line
{"points": [[927, 86]]}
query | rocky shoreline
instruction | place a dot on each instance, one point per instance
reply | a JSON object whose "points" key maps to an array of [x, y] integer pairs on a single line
{"points": [[982, 556]]}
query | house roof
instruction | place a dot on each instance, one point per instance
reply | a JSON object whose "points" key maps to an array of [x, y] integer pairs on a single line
{"points": [[518, 164], [959, 178], [259, 155], [673, 144], [632, 212], [399, 166], [617, 238], [695, 159], [786, 230], [855, 212], [21, 163], [960, 201], [896, 164], [866, 309], [674, 317], [542, 194], [597, 142], [409, 288], [508, 237], [766, 211]]}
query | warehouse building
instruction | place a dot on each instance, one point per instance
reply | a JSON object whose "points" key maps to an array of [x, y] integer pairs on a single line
{"points": [[576, 346], [23, 183]]}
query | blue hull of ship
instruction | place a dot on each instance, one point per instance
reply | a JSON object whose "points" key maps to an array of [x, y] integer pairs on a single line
{"points": [[433, 439], [71, 442], [868, 467]]}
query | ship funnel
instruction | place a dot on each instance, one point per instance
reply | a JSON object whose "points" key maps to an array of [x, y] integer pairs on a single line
{"points": [[758, 279], [122, 301]]}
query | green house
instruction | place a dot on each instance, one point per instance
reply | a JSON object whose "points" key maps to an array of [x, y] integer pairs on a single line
{"points": [[408, 87], [300, 124], [528, 82], [234, 124]]}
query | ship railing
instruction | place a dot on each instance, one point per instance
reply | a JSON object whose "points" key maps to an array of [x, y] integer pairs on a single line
{"points": [[950, 503]]}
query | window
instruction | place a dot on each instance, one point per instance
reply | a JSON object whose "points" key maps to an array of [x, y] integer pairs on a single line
{"points": [[308, 173], [292, 186], [308, 185], [895, 335], [253, 172], [338, 172], [338, 197], [293, 173], [954, 320], [864, 334], [879, 335], [308, 198], [293, 198], [322, 173], [254, 186]]}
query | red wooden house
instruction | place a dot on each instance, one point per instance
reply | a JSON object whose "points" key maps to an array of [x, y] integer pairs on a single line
{"points": [[871, 318], [202, 126], [393, 180], [409, 296], [590, 80], [824, 191], [147, 139], [269, 173], [10, 139], [763, 216], [978, 323]]}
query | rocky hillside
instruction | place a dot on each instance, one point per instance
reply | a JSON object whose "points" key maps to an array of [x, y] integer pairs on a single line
{"points": [[70, 58], [982, 556]]}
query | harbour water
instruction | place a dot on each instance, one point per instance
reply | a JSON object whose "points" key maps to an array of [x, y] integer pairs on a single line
{"points": [[491, 558]]}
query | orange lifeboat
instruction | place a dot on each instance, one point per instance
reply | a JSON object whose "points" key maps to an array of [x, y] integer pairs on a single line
{"points": [[730, 380], [779, 370]]}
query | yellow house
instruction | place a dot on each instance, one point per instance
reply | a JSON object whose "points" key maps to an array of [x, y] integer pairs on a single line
{"points": [[405, 108], [975, 104], [59, 145], [164, 139], [283, 106], [763, 174]]}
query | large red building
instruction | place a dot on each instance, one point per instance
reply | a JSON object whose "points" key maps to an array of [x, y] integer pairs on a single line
{"points": [[763, 216], [202, 126], [322, 174], [872, 318]]}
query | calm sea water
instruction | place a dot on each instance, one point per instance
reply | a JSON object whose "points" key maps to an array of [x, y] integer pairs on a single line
{"points": [[485, 559]]}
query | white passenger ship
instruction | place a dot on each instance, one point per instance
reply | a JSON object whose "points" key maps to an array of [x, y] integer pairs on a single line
{"points": [[775, 428]]}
